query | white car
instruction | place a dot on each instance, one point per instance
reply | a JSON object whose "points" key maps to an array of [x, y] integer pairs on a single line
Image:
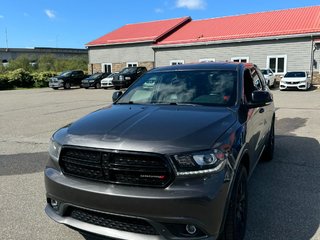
{"points": [[297, 80], [269, 76], [107, 82]]}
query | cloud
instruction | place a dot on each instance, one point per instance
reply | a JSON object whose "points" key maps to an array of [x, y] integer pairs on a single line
{"points": [[50, 13], [191, 4], [158, 10], [1, 16]]}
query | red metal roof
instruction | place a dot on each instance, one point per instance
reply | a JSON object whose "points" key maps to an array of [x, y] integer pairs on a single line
{"points": [[140, 32], [264, 24]]}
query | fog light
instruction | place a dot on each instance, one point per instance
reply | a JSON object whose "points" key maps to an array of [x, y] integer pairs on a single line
{"points": [[54, 204], [191, 229]]}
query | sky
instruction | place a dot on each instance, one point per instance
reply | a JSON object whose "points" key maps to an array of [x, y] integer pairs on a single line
{"points": [[73, 23]]}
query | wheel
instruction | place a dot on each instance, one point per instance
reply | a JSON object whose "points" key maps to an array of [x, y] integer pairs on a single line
{"points": [[55, 88], [308, 86], [67, 85], [117, 88], [86, 87], [98, 85], [269, 150], [236, 220]]}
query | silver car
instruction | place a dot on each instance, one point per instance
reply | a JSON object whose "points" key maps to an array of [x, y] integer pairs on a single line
{"points": [[269, 76]]}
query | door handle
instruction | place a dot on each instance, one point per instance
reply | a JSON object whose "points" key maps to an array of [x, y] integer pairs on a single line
{"points": [[261, 110]]}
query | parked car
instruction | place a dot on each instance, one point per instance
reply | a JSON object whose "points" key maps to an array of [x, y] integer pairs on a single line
{"points": [[295, 80], [127, 76], [269, 76], [67, 79], [169, 159], [94, 80], [107, 82]]}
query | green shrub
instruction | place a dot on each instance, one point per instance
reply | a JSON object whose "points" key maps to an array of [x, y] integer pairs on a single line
{"points": [[20, 78], [4, 83], [41, 78]]}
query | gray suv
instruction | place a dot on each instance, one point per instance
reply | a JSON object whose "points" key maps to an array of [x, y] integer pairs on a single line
{"points": [[169, 159]]}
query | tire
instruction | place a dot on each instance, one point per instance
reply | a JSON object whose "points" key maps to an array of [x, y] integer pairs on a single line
{"points": [[55, 88], [117, 88], [236, 220], [269, 150], [67, 85], [86, 88], [97, 85]]}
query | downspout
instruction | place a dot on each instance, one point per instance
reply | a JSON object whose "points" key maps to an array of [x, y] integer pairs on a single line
{"points": [[312, 59], [154, 58]]}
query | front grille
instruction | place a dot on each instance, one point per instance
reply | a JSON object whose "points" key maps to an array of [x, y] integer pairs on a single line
{"points": [[121, 223], [120, 168]]}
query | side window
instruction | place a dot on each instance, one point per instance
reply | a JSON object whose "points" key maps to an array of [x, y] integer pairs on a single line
{"points": [[248, 85], [256, 79], [139, 70], [263, 80]]}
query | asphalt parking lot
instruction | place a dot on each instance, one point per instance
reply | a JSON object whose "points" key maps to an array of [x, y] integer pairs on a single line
{"points": [[284, 195]]}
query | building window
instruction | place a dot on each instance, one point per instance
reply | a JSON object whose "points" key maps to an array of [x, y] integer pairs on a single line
{"points": [[5, 62], [106, 67], [176, 62], [240, 59], [278, 64], [132, 64], [207, 60]]}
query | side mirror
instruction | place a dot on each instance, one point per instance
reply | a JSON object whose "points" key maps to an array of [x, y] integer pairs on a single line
{"points": [[116, 95], [260, 99]]}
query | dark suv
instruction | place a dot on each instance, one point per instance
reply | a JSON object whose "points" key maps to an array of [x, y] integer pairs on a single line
{"points": [[67, 79], [127, 76], [169, 159]]}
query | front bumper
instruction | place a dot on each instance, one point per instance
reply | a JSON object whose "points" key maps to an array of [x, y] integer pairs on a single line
{"points": [[55, 84], [200, 201], [87, 84], [121, 84], [106, 84], [293, 85]]}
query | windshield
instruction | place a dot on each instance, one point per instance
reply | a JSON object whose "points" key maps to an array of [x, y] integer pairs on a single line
{"points": [[128, 70], [111, 75], [203, 87], [95, 76], [264, 71], [295, 74], [66, 74]]}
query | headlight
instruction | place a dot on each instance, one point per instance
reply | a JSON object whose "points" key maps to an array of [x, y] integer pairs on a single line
{"points": [[91, 81], [120, 77], [54, 150], [60, 81], [127, 78], [200, 162]]}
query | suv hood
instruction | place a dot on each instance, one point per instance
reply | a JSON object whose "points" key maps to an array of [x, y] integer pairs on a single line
{"points": [[158, 129]]}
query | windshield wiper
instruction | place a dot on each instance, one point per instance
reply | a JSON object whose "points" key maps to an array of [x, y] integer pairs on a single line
{"points": [[130, 102], [176, 104]]}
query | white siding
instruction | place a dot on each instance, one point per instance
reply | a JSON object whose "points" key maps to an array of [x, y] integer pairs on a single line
{"points": [[121, 53], [298, 52]]}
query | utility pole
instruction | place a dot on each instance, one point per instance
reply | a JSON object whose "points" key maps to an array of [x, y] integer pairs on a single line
{"points": [[7, 39]]}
